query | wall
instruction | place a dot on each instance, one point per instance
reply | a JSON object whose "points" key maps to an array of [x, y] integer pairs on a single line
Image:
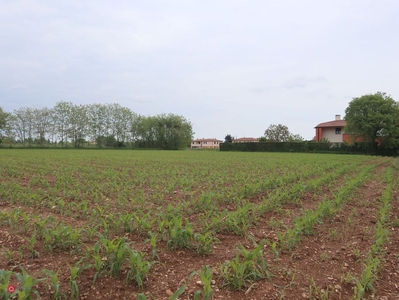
{"points": [[329, 133]]}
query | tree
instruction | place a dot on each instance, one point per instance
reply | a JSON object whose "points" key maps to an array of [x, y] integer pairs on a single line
{"points": [[43, 119], [96, 114], [173, 131], [372, 118], [24, 123], [277, 133], [280, 133], [295, 138], [62, 112], [164, 131], [78, 125], [3, 120], [228, 138]]}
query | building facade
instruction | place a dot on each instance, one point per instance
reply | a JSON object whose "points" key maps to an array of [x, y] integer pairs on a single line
{"points": [[333, 131], [205, 144]]}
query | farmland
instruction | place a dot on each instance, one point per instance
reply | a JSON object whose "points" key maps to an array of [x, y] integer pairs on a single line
{"points": [[108, 224]]}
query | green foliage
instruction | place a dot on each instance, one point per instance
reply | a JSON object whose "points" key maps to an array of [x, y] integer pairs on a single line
{"points": [[101, 125], [27, 285], [246, 267], [367, 278], [115, 253], [178, 235], [55, 285], [138, 267], [164, 131], [74, 277], [277, 133], [306, 147], [204, 242], [163, 196], [206, 278], [5, 277], [3, 120], [280, 133], [374, 117], [228, 138]]}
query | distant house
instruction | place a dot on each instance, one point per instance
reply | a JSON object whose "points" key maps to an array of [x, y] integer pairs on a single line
{"points": [[246, 140], [333, 131], [205, 144]]}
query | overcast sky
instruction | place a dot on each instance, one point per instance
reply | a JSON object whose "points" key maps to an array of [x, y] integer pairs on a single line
{"points": [[230, 67]]}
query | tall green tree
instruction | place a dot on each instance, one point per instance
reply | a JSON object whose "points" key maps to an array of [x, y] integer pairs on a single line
{"points": [[164, 131], [24, 124], [228, 138], [374, 117], [43, 120], [277, 133], [62, 112], [280, 133], [3, 120], [78, 125]]}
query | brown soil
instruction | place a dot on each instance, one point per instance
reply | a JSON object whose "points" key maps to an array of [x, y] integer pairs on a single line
{"points": [[322, 263]]}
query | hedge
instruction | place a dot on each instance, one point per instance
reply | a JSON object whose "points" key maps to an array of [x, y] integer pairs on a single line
{"points": [[311, 147]]}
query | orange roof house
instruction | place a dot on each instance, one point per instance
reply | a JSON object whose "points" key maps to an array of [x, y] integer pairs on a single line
{"points": [[205, 144], [332, 131]]}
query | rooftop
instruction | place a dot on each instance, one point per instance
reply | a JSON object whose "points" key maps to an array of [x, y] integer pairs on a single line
{"points": [[246, 139], [335, 123], [207, 140]]}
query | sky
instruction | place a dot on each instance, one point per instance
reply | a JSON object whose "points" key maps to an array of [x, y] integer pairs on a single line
{"points": [[230, 67]]}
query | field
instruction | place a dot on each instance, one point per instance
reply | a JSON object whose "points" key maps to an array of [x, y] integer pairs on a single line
{"points": [[105, 224]]}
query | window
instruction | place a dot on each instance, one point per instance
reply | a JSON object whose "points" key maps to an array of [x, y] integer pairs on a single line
{"points": [[338, 130]]}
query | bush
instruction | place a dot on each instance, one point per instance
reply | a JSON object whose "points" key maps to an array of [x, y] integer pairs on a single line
{"points": [[326, 147]]}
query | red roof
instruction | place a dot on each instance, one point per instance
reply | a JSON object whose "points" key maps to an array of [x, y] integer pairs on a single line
{"points": [[207, 140], [335, 123], [247, 139]]}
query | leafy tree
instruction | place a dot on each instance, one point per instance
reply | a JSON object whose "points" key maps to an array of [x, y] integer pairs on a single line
{"points": [[96, 114], [165, 131], [109, 125], [374, 117], [62, 112], [24, 124], [43, 120], [228, 138], [280, 133], [78, 125], [110, 141], [173, 132], [295, 138], [277, 133], [3, 119]]}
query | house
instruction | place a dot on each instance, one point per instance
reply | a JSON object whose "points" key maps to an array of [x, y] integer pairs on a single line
{"points": [[205, 144], [246, 140], [333, 131]]}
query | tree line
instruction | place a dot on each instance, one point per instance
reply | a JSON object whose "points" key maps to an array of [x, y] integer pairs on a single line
{"points": [[102, 125], [371, 119], [274, 133]]}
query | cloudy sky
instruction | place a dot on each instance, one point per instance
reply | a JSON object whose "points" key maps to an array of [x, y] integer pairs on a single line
{"points": [[231, 67]]}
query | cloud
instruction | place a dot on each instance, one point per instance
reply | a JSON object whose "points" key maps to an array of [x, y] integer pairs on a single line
{"points": [[17, 86], [303, 82], [269, 61]]}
